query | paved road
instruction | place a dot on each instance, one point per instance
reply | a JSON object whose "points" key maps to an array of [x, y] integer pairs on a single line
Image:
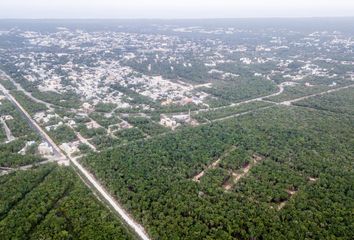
{"points": [[33, 124], [240, 114], [7, 170], [138, 229], [289, 102], [20, 88], [280, 91]]}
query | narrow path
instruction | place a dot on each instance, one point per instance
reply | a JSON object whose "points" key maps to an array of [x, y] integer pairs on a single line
{"points": [[3, 172], [82, 139], [282, 204], [235, 177], [8, 132], [213, 165], [262, 98], [85, 141]]}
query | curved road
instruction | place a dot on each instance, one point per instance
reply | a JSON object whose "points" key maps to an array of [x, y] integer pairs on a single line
{"points": [[280, 91], [138, 229]]}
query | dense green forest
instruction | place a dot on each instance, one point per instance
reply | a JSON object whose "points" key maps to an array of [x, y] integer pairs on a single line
{"points": [[301, 188], [103, 120], [240, 89], [51, 202], [146, 125], [62, 134], [203, 116], [129, 134], [66, 100], [338, 102], [8, 84]]}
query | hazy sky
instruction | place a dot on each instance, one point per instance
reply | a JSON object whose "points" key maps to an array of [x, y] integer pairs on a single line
{"points": [[173, 9]]}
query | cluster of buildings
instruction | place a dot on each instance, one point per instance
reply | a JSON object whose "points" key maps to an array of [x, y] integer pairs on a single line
{"points": [[131, 69], [90, 63], [174, 121]]}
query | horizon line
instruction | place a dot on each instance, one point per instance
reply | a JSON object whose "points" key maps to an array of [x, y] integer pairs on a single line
{"points": [[178, 18]]}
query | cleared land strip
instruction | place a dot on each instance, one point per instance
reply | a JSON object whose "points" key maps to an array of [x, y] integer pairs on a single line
{"points": [[236, 176], [213, 165], [9, 135], [82, 139], [137, 228], [291, 194], [320, 109], [16, 198]]}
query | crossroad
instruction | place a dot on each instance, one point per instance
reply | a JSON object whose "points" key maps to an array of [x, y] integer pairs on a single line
{"points": [[95, 185], [90, 180]]}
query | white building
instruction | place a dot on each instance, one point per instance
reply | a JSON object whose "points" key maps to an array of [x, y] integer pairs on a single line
{"points": [[168, 122], [44, 149]]}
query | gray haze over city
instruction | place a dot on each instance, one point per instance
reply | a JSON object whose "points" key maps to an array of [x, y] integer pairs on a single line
{"points": [[174, 9]]}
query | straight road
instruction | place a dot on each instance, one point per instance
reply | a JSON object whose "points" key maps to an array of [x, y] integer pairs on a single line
{"points": [[33, 124], [20, 88], [289, 102], [136, 227]]}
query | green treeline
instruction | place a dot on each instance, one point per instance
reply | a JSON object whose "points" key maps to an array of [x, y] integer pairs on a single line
{"points": [[51, 202], [300, 190]]}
